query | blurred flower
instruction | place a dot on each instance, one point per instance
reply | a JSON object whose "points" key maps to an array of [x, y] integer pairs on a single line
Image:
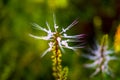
{"points": [[101, 58], [61, 38], [117, 40]]}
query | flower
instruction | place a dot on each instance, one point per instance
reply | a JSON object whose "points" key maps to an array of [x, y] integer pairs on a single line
{"points": [[117, 40], [101, 57], [62, 38]]}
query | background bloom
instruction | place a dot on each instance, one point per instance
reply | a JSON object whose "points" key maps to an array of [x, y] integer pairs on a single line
{"points": [[101, 57], [117, 40]]}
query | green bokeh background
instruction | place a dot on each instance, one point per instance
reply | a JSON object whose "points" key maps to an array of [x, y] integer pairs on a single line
{"points": [[20, 54]]}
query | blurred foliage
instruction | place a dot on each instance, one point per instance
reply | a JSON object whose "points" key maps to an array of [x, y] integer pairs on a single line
{"points": [[20, 54]]}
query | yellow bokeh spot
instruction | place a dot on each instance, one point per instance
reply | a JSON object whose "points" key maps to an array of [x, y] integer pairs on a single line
{"points": [[53, 4], [97, 21], [36, 1]]}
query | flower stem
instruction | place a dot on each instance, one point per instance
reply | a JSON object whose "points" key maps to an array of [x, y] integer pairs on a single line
{"points": [[56, 58], [58, 73]]}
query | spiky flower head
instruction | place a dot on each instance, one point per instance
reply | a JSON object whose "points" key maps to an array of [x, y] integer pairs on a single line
{"points": [[101, 57], [61, 37]]}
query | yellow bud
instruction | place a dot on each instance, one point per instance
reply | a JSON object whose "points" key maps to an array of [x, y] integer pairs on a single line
{"points": [[54, 69], [54, 74], [59, 52], [52, 57]]}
